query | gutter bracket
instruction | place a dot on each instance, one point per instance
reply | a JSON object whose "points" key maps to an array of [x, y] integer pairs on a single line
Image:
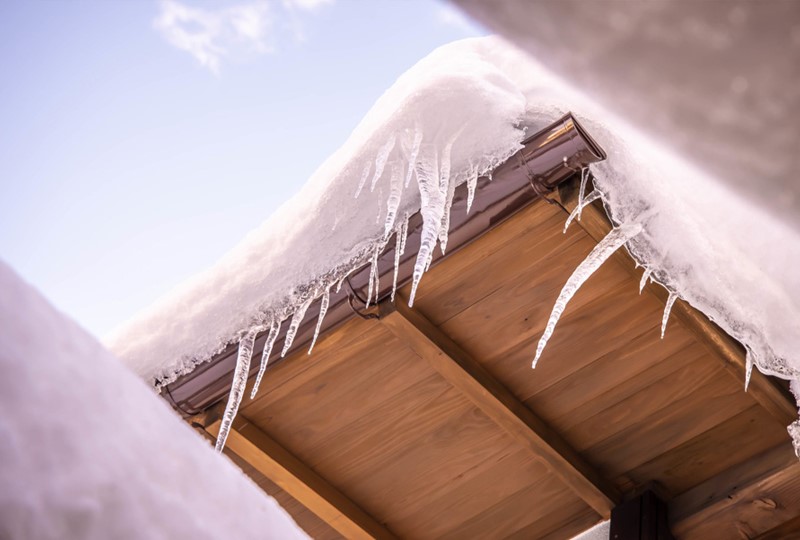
{"points": [[362, 310]]}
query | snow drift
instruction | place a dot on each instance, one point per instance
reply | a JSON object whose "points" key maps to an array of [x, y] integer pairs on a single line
{"points": [[455, 115], [89, 451]]}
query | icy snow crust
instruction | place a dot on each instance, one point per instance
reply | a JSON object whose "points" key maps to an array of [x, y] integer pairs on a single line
{"points": [[324, 231], [88, 451], [458, 113]]}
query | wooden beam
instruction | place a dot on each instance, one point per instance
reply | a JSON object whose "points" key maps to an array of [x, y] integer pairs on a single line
{"points": [[298, 480], [772, 398], [641, 518], [498, 403], [750, 497]]}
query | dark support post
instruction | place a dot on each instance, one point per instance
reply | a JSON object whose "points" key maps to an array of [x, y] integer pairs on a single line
{"points": [[642, 518]]}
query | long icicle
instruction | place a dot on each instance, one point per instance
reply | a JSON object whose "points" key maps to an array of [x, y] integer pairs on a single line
{"points": [[274, 329], [412, 159], [395, 194], [667, 308], [297, 318], [447, 185], [472, 183], [748, 372], [373, 269], [323, 309], [601, 252], [427, 170], [399, 249], [582, 190], [239, 383], [643, 281], [364, 176], [380, 161], [377, 276], [576, 212], [404, 236]]}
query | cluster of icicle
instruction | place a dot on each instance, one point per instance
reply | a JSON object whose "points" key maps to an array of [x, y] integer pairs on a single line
{"points": [[400, 159], [615, 239]]}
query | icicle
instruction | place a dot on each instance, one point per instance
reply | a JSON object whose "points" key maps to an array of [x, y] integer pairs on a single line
{"points": [[380, 207], [447, 185], [667, 308], [432, 207], [794, 433], [444, 163], [399, 249], [412, 159], [748, 371], [445, 227], [239, 382], [472, 184], [378, 274], [395, 192], [297, 318], [582, 190], [323, 309], [373, 269], [576, 212], [396, 263], [643, 281], [404, 236], [601, 252], [380, 161], [274, 329], [364, 176]]}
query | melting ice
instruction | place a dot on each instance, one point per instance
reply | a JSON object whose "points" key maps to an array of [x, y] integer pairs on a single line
{"points": [[601, 252]]}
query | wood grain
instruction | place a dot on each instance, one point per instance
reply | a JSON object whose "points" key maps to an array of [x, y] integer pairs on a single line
{"points": [[294, 477], [730, 353], [498, 403]]}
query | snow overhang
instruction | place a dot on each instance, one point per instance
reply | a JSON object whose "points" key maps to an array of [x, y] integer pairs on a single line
{"points": [[547, 158]]}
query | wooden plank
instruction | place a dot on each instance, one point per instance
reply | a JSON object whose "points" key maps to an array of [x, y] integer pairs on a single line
{"points": [[498, 403], [774, 399], [789, 530], [461, 499], [513, 247], [611, 372], [305, 518], [515, 512], [669, 427], [628, 416], [747, 499], [725, 445], [627, 388], [294, 477]]}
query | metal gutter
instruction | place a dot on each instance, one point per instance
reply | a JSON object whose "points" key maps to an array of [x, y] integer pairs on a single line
{"points": [[547, 159]]}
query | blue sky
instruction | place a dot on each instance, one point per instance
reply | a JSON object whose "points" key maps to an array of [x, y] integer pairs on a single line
{"points": [[142, 140]]}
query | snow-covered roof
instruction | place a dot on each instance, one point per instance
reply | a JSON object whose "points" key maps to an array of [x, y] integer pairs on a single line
{"points": [[89, 451], [456, 114]]}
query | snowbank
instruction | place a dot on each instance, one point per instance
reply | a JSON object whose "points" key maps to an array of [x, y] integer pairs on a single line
{"points": [[89, 451], [456, 114]]}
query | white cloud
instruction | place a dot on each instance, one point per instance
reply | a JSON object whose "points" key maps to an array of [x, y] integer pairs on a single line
{"points": [[211, 35], [308, 5]]}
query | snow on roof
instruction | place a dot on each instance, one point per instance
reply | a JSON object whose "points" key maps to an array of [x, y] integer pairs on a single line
{"points": [[89, 451], [458, 113], [324, 231]]}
